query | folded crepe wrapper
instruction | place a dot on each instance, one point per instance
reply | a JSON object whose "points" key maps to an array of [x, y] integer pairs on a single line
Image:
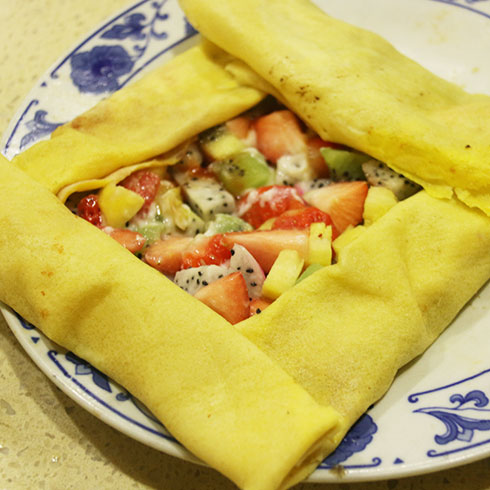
{"points": [[342, 333], [352, 87], [148, 118], [215, 391]]}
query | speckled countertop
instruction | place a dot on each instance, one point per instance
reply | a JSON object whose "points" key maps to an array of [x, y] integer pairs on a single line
{"points": [[46, 440]]}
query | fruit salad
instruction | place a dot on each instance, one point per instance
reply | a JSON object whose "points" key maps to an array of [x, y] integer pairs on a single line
{"points": [[253, 206]]}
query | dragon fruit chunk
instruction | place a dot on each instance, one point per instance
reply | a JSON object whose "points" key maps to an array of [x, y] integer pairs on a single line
{"points": [[195, 278], [243, 261]]}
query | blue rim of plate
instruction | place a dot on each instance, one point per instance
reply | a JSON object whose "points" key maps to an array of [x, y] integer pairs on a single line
{"points": [[136, 39]]}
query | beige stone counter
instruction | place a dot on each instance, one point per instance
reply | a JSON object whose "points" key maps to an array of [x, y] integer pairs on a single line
{"points": [[46, 440]]}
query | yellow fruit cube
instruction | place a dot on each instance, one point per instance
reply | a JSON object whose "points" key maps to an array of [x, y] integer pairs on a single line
{"points": [[320, 244], [379, 201], [118, 204], [347, 237], [283, 274]]}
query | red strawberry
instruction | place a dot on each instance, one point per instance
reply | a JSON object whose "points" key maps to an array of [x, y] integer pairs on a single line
{"points": [[204, 250], [131, 240], [259, 205], [258, 305], [88, 209], [239, 126], [279, 133], [166, 255], [342, 201], [300, 219], [227, 296], [266, 245], [146, 184], [175, 253]]}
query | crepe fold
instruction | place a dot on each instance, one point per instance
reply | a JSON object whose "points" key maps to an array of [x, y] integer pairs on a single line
{"points": [[215, 391], [344, 332], [352, 87], [167, 107]]}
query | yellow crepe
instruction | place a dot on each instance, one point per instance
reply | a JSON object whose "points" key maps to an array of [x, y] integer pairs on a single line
{"points": [[353, 87], [216, 392], [152, 116], [344, 332]]}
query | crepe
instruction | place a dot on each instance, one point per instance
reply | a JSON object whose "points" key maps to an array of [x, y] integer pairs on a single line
{"points": [[152, 116], [216, 392], [344, 332], [352, 87]]}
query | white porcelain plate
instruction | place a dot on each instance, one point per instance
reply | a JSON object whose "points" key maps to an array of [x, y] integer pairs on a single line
{"points": [[437, 414]]}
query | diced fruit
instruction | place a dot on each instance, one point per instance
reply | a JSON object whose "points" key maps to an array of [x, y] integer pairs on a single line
{"points": [[130, 240], [181, 215], [283, 274], [266, 245], [259, 205], [379, 174], [342, 201], [207, 198], [226, 223], [347, 237], [291, 169], [244, 262], [166, 255], [300, 219], [228, 297], [379, 201], [191, 161], [153, 230], [119, 204], [239, 126], [309, 271], [219, 143], [315, 158], [344, 164], [258, 305], [243, 171], [88, 208], [278, 134], [146, 184], [195, 278], [320, 244], [203, 250]]}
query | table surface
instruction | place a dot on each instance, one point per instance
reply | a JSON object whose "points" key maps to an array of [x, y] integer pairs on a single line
{"points": [[46, 440]]}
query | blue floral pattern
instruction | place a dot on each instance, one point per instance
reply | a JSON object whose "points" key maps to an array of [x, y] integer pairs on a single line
{"points": [[83, 368], [99, 69]]}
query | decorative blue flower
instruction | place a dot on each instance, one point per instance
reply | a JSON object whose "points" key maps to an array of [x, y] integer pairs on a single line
{"points": [[359, 436], [84, 368], [133, 27], [38, 128], [98, 70]]}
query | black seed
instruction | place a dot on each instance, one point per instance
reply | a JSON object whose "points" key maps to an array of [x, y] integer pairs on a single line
{"points": [[187, 282], [205, 283], [220, 276], [232, 252], [250, 270], [225, 205], [210, 198], [258, 310], [253, 284], [199, 273], [198, 281]]}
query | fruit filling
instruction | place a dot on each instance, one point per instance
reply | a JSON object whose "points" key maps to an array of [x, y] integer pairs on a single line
{"points": [[254, 206]]}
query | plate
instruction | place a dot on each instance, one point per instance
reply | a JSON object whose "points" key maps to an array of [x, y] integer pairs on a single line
{"points": [[437, 413]]}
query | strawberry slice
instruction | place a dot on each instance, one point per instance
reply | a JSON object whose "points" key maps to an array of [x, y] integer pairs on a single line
{"points": [[227, 296], [204, 250], [88, 208], [342, 201], [279, 133], [259, 205], [239, 126], [129, 239], [258, 305], [301, 219], [175, 253], [265, 245], [146, 184], [166, 255]]}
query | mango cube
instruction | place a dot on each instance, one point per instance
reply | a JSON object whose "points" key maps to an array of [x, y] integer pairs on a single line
{"points": [[118, 204]]}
